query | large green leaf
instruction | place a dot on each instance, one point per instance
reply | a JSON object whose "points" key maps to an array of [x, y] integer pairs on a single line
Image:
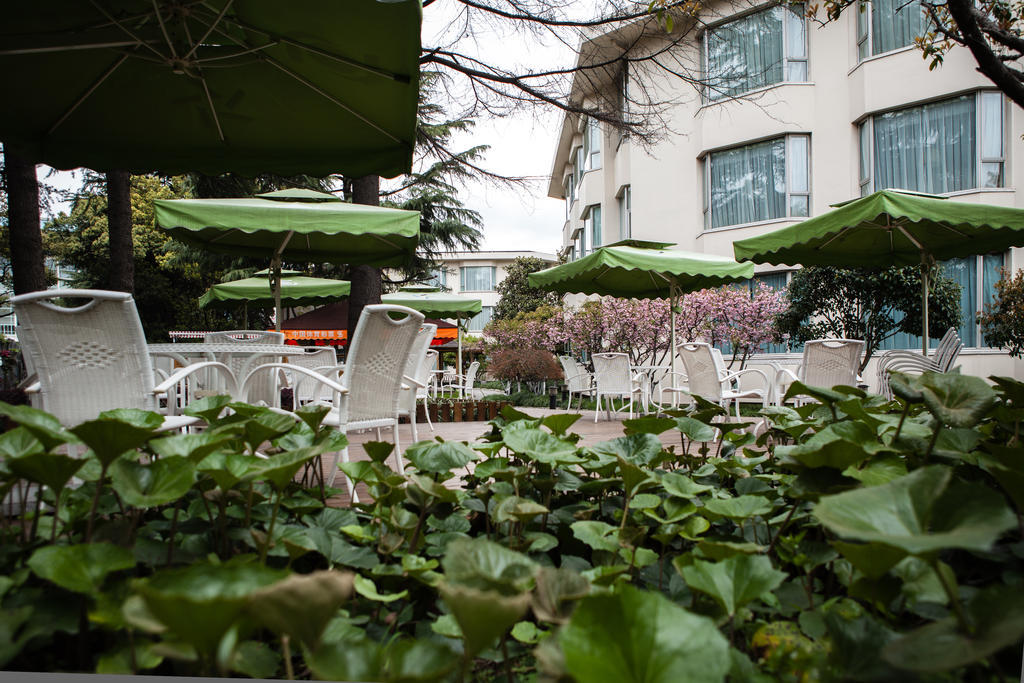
{"points": [[559, 423], [483, 615], [695, 430], [208, 408], [110, 436], [838, 445], [156, 483], [195, 447], [957, 400], [482, 564], [923, 512], [302, 604], [557, 592], [80, 568], [637, 636], [536, 444], [199, 603], [997, 617], [419, 661], [53, 470], [18, 442], [739, 508], [440, 457], [598, 535], [348, 660], [281, 468], [228, 468], [648, 424], [43, 426], [682, 486], [735, 581], [637, 449]]}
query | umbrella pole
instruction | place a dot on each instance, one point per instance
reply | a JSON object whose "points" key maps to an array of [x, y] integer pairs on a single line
{"points": [[924, 307], [458, 322], [275, 279]]}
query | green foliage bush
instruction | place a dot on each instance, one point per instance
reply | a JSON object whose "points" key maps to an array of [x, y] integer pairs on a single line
{"points": [[1002, 321], [851, 539]]}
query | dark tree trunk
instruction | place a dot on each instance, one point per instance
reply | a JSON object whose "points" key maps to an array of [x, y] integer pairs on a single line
{"points": [[26, 239], [119, 225], [366, 284]]}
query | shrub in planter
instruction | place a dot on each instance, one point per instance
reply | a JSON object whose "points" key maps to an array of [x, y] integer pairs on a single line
{"points": [[524, 365]]}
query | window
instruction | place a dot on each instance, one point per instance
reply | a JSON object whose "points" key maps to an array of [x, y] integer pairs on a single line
{"points": [[579, 246], [977, 277], [625, 214], [592, 225], [939, 147], [477, 278], [438, 278], [775, 281], [480, 320], [592, 144], [887, 25], [577, 168], [623, 95], [756, 51], [758, 182], [570, 196]]}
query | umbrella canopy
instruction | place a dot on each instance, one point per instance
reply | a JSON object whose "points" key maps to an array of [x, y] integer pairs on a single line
{"points": [[300, 225], [640, 270], [434, 303], [890, 228], [295, 291], [636, 269], [249, 86]]}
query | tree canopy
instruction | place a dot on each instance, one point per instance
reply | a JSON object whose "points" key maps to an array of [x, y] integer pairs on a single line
{"points": [[517, 295], [864, 304]]}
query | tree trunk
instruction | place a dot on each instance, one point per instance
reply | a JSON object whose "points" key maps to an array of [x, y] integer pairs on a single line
{"points": [[119, 226], [26, 239], [366, 283]]}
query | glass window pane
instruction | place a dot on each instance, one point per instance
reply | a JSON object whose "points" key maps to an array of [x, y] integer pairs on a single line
{"points": [[745, 54], [477, 278], [796, 72], [895, 24], [992, 174], [480, 320], [595, 227], [797, 161], [799, 205], [863, 8], [927, 149], [991, 263], [796, 47], [963, 271], [865, 150], [748, 183], [991, 125]]}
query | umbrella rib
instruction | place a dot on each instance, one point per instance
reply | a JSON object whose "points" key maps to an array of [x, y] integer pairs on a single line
{"points": [[213, 109], [312, 86], [233, 55], [68, 48], [163, 29], [209, 30], [124, 28], [84, 96]]}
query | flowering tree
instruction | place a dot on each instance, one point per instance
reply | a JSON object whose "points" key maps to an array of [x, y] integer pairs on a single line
{"points": [[538, 329], [743, 320]]}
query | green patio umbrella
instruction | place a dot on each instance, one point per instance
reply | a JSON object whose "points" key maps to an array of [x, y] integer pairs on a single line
{"points": [[890, 228], [249, 86], [296, 290], [637, 269], [433, 303], [300, 225]]}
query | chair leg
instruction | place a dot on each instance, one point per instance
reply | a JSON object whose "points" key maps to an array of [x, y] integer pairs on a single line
{"points": [[379, 437], [597, 407], [354, 497], [412, 421], [426, 413], [398, 449]]}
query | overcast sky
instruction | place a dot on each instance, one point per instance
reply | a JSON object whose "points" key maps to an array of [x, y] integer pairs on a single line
{"points": [[521, 146]]}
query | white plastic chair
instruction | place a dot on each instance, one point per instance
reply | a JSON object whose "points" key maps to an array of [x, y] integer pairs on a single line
{"points": [[417, 376], [368, 394], [614, 379], [707, 377], [269, 392], [577, 379], [465, 385], [93, 357], [319, 359], [912, 362], [825, 363]]}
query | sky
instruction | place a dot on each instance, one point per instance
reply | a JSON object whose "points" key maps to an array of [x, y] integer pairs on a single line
{"points": [[520, 146]]}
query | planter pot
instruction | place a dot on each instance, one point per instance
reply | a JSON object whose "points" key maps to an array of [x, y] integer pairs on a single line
{"points": [[432, 411], [492, 410], [421, 413], [457, 410]]}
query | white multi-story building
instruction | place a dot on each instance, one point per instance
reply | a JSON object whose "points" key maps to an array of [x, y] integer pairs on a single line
{"points": [[477, 274], [800, 117]]}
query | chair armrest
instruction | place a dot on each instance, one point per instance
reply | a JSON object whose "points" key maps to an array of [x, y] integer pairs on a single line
{"points": [[746, 371], [310, 374], [412, 380], [31, 384], [184, 372]]}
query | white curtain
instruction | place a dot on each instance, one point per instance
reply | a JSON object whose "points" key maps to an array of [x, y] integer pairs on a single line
{"points": [[927, 149], [748, 184], [745, 54], [895, 24]]}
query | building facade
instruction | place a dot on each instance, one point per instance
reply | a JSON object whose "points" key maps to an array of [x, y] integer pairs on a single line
{"points": [[791, 118], [477, 274]]}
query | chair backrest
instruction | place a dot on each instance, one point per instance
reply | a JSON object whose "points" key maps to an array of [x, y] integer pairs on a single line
{"points": [[611, 373], [244, 337], [568, 369], [416, 365], [376, 361], [829, 362], [947, 351], [426, 367], [303, 388], [576, 376], [703, 376], [88, 358], [471, 375]]}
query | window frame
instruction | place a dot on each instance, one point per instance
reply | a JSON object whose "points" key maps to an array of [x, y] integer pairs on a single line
{"points": [[867, 40], [595, 236], [711, 95], [866, 132], [592, 144], [490, 317], [462, 278], [707, 162], [626, 213]]}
